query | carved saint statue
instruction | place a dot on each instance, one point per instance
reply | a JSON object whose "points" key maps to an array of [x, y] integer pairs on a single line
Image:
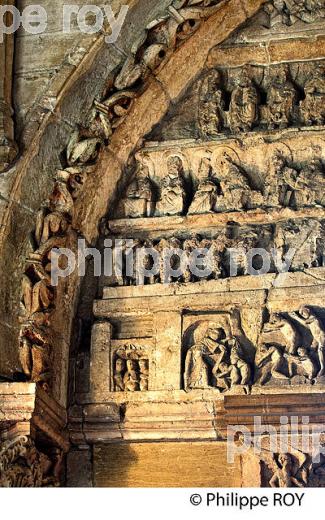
{"points": [[243, 110], [205, 198], [281, 100], [212, 105], [120, 366], [172, 193], [139, 198], [131, 376], [312, 108]]}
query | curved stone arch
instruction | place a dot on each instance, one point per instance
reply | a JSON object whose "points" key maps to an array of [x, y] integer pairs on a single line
{"points": [[100, 187]]}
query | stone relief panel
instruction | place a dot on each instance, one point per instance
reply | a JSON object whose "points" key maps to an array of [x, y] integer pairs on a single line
{"points": [[219, 183], [294, 469], [230, 251], [252, 97], [130, 368], [216, 355], [291, 349], [289, 12]]}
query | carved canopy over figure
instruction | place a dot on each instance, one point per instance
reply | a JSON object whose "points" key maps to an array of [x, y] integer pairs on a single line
{"points": [[243, 110], [172, 193], [212, 105]]}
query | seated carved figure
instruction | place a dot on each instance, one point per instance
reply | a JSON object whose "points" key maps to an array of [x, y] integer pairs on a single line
{"points": [[312, 108], [205, 198], [281, 100], [172, 193], [139, 199], [234, 188], [243, 110]]}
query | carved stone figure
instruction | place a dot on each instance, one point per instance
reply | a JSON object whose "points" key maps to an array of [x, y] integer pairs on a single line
{"points": [[169, 259], [119, 372], [130, 370], [172, 193], [234, 188], [37, 293], [34, 355], [270, 365], [243, 110], [281, 330], [199, 358], [310, 320], [284, 475], [139, 197], [144, 374], [281, 100], [287, 178], [309, 186], [131, 376], [205, 198], [212, 106], [215, 360], [290, 12], [312, 108]]}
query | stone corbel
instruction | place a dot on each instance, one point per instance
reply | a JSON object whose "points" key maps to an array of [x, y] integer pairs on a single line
{"points": [[8, 147]]}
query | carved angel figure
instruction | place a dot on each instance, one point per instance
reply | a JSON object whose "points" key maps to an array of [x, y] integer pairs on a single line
{"points": [[243, 110]]}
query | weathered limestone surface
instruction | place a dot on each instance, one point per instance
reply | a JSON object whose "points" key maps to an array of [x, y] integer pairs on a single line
{"points": [[201, 128]]}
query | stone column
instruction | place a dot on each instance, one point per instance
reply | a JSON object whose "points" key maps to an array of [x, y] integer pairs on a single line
{"points": [[8, 148], [100, 360], [168, 333]]}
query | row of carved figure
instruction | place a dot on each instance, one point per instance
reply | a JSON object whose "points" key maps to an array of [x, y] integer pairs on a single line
{"points": [[290, 351], [284, 105], [235, 251], [289, 12], [230, 188], [131, 370]]}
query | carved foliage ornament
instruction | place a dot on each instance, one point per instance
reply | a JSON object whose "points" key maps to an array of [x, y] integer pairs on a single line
{"points": [[22, 465]]}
